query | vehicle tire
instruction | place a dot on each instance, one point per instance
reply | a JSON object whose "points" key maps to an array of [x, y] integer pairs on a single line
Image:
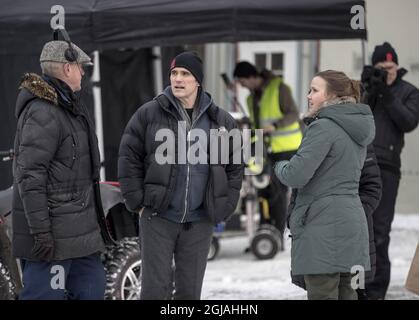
{"points": [[214, 248], [123, 270], [276, 232], [264, 245], [7, 286]]}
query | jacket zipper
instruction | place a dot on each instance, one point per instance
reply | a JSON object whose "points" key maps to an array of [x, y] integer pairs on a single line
{"points": [[188, 166], [188, 169], [187, 177]]}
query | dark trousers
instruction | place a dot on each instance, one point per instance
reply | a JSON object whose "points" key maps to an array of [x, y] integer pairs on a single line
{"points": [[334, 286], [276, 193], [383, 217], [161, 242], [73, 279]]}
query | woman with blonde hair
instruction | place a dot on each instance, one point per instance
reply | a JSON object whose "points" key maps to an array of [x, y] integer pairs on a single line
{"points": [[328, 225]]}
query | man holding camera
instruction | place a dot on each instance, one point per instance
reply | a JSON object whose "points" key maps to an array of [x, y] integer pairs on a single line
{"points": [[395, 105]]}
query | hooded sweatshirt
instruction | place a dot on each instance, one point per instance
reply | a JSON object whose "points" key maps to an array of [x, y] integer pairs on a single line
{"points": [[187, 200]]}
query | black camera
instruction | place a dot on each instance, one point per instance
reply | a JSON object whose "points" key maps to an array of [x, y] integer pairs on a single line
{"points": [[372, 77]]}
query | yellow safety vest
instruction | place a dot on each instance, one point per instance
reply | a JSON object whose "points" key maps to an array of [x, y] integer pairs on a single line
{"points": [[284, 139]]}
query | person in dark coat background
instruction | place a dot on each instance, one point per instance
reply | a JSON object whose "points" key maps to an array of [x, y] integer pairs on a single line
{"points": [[395, 106], [370, 195]]}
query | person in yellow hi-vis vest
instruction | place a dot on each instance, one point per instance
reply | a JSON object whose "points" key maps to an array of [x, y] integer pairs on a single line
{"points": [[272, 108]]}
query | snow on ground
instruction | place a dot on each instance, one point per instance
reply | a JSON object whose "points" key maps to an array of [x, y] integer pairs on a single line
{"points": [[235, 275]]}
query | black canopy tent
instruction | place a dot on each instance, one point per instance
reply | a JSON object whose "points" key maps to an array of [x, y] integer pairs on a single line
{"points": [[113, 24]]}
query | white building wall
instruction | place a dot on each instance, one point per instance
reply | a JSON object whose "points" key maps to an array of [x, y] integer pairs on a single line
{"points": [[219, 58]]}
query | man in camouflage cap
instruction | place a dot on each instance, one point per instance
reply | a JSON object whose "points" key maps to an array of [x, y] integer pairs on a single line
{"points": [[58, 222]]}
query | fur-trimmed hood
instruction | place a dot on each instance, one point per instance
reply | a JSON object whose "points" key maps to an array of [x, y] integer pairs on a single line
{"points": [[34, 86]]}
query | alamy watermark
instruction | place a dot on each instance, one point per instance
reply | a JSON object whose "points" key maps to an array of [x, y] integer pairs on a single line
{"points": [[222, 147], [58, 19], [358, 278], [358, 20], [58, 280]]}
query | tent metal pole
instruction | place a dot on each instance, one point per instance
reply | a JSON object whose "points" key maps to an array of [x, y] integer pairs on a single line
{"points": [[97, 98], [157, 70], [364, 44], [318, 52]]}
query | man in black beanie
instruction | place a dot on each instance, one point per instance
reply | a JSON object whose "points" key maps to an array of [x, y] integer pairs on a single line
{"points": [[395, 105], [173, 195], [272, 108]]}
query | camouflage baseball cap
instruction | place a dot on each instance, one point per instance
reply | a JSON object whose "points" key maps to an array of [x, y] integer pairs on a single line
{"points": [[54, 51]]}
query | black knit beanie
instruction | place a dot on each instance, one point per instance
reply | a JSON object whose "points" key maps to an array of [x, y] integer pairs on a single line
{"points": [[245, 69], [384, 52], [190, 61]]}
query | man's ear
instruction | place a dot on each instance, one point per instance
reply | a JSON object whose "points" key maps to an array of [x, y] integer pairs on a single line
{"points": [[66, 69]]}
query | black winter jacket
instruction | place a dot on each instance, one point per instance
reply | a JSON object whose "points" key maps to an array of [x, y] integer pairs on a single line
{"points": [[370, 194], [146, 183], [396, 112], [56, 169]]}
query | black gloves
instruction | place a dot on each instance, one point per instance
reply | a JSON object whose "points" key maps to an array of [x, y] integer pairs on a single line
{"points": [[381, 88], [43, 248]]}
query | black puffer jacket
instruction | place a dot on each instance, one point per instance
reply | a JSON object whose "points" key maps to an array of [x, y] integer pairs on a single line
{"points": [[396, 112], [144, 182], [56, 169], [370, 195]]}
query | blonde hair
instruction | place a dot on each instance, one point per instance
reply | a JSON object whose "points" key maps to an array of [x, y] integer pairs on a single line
{"points": [[339, 84]]}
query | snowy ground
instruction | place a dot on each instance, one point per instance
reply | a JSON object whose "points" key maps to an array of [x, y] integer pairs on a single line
{"points": [[239, 276]]}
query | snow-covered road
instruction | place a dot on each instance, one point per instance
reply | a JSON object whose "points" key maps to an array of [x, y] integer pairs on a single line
{"points": [[240, 276]]}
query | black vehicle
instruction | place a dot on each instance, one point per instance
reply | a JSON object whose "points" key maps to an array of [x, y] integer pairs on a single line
{"points": [[122, 261]]}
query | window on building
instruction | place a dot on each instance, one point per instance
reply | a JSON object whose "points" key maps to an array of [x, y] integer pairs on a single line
{"points": [[260, 61], [273, 61], [277, 64]]}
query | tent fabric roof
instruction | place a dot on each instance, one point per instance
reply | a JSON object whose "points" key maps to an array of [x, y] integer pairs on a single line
{"points": [[111, 24]]}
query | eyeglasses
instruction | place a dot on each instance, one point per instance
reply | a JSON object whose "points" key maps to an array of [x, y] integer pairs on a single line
{"points": [[80, 68]]}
